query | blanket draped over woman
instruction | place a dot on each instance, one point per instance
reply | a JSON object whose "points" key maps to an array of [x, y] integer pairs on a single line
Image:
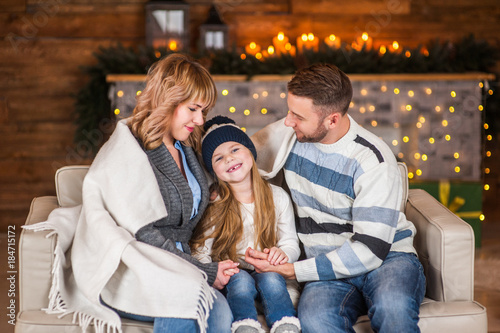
{"points": [[98, 257]]}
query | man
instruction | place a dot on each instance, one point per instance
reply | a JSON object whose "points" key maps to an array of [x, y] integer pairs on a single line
{"points": [[347, 192]]}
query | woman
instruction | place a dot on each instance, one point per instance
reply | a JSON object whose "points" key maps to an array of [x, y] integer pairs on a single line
{"points": [[142, 197]]}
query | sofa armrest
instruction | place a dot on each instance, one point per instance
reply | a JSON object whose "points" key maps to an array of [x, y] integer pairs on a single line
{"points": [[36, 254], [445, 245]]}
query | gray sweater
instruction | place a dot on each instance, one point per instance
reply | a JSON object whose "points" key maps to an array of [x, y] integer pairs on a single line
{"points": [[178, 226]]}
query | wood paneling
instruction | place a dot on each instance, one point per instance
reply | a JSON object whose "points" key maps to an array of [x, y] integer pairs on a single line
{"points": [[43, 44]]}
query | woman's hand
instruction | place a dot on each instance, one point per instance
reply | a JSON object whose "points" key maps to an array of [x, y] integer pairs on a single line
{"points": [[225, 270], [276, 256]]}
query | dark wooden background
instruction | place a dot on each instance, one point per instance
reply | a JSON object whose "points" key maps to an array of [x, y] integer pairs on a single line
{"points": [[44, 43]]}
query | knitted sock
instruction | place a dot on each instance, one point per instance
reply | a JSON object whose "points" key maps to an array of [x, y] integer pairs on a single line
{"points": [[246, 326], [286, 325]]}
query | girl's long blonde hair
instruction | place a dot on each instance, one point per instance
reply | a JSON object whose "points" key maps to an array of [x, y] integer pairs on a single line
{"points": [[171, 81], [225, 215]]}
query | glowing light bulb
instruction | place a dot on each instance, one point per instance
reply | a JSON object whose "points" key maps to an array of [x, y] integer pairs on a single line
{"points": [[232, 109], [406, 139], [263, 111], [225, 92], [120, 93]]}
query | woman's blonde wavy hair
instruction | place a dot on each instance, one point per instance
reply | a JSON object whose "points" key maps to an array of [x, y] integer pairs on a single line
{"points": [[225, 215], [171, 81]]}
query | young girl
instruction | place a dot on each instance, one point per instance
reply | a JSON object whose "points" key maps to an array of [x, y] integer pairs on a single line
{"points": [[248, 213]]}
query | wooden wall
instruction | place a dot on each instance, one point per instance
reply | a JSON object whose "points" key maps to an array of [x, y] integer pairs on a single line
{"points": [[44, 43]]}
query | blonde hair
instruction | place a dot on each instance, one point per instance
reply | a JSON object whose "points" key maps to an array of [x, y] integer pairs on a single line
{"points": [[225, 215], [171, 81]]}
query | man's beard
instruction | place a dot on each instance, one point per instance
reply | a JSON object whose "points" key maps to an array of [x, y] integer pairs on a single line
{"points": [[318, 135]]}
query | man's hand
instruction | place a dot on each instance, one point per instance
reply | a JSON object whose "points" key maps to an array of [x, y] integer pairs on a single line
{"points": [[276, 256], [261, 264], [225, 270]]}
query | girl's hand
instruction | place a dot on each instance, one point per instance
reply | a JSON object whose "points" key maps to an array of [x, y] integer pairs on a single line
{"points": [[276, 256]]}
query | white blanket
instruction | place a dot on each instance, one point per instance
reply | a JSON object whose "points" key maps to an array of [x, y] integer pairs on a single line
{"points": [[98, 256]]}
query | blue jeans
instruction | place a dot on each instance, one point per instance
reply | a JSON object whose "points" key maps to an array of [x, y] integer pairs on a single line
{"points": [[219, 321], [246, 287], [390, 295]]}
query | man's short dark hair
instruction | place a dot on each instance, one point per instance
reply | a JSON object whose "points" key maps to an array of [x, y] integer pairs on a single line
{"points": [[326, 85]]}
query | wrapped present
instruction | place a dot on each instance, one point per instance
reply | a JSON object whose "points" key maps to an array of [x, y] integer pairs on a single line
{"points": [[465, 199]]}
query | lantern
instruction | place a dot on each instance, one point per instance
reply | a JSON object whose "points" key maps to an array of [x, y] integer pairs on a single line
{"points": [[214, 32], [167, 24]]}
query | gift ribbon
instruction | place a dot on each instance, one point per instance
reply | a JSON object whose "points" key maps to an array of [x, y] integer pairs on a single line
{"points": [[456, 203]]}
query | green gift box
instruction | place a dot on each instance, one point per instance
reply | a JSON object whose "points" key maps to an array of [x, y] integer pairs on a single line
{"points": [[465, 199]]}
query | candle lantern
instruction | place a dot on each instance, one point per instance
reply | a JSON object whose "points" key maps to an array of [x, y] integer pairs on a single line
{"points": [[167, 24], [214, 32]]}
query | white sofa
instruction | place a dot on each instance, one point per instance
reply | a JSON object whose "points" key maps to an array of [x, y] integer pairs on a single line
{"points": [[444, 242]]}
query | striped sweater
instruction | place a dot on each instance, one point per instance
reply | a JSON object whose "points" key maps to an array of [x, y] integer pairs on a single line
{"points": [[347, 197]]}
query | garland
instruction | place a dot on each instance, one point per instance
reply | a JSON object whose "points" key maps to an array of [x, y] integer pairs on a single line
{"points": [[93, 106]]}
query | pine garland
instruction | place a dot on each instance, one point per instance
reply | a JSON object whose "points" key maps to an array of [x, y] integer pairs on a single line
{"points": [[93, 106]]}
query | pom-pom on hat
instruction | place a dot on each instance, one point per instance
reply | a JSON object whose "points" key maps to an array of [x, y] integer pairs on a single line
{"points": [[219, 130]]}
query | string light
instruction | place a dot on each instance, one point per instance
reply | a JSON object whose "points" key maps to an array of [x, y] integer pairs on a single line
{"points": [[263, 111], [486, 187], [225, 92], [246, 112], [232, 109], [119, 93]]}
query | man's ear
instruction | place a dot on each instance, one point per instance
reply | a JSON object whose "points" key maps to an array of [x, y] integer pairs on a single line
{"points": [[333, 120]]}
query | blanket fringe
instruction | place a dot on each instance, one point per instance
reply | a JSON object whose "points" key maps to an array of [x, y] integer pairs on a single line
{"points": [[57, 304], [205, 305]]}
